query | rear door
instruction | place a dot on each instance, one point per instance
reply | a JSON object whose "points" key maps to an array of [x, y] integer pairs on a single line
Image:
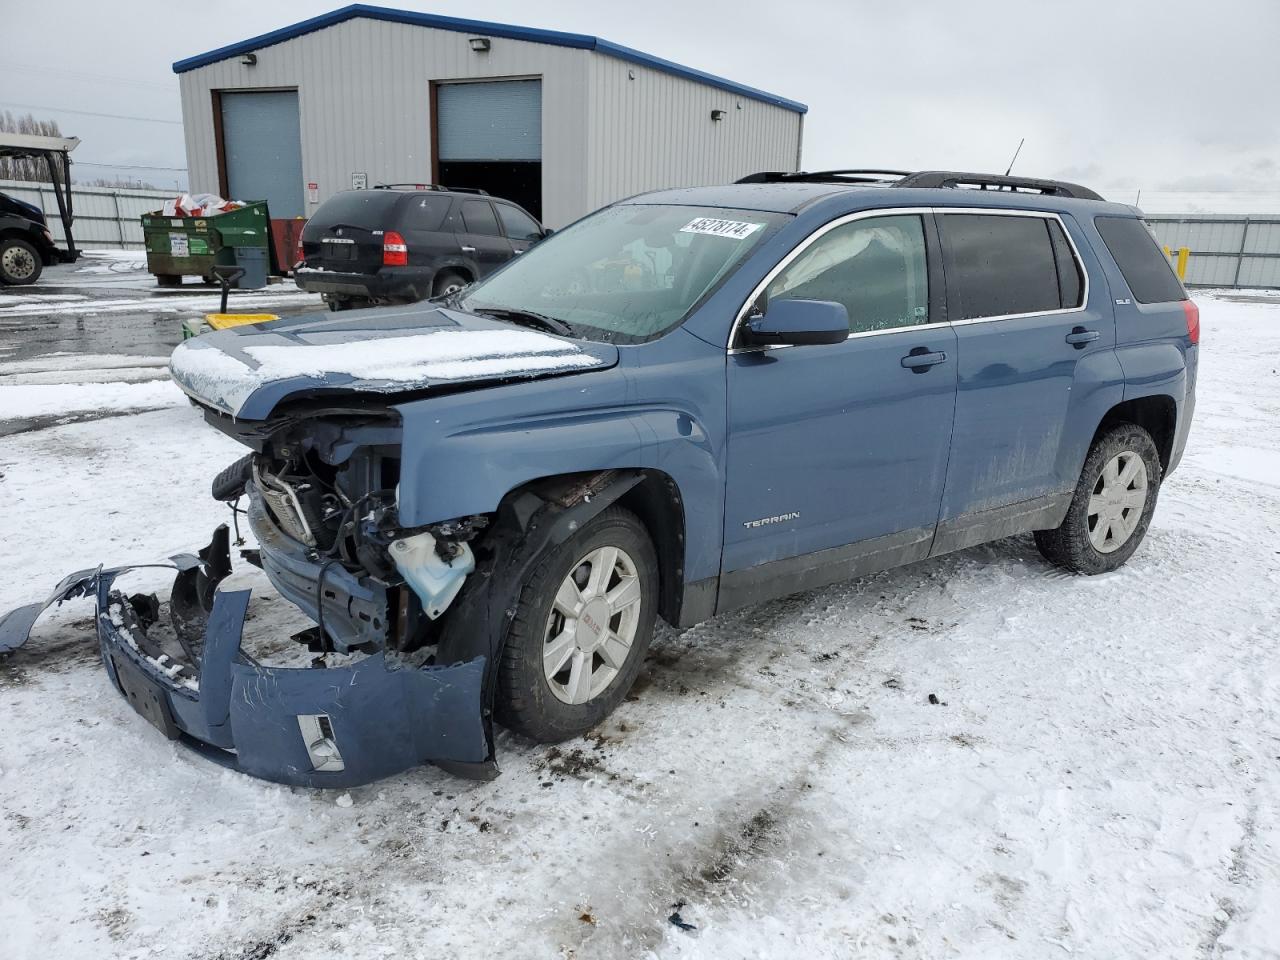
{"points": [[481, 239], [838, 452], [1036, 358], [522, 230]]}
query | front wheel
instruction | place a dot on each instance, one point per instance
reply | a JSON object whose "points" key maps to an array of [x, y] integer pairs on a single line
{"points": [[582, 625], [1112, 506], [20, 262]]}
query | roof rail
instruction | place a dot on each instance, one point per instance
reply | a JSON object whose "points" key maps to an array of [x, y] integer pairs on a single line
{"points": [[948, 179], [826, 176], [429, 186]]}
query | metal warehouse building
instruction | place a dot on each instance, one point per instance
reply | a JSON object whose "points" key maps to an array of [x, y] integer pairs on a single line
{"points": [[562, 123]]}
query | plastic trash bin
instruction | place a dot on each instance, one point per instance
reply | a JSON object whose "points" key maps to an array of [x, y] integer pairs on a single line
{"points": [[256, 264]]}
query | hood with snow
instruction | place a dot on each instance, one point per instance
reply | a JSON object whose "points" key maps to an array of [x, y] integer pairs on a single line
{"points": [[247, 371]]}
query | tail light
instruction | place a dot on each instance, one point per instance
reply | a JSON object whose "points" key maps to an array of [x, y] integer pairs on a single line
{"points": [[395, 252], [299, 256], [1193, 320]]}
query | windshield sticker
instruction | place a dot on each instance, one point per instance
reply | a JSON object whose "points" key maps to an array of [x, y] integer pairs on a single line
{"points": [[733, 229]]}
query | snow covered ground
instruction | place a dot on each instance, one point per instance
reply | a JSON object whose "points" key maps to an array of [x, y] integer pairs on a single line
{"points": [[1100, 775]]}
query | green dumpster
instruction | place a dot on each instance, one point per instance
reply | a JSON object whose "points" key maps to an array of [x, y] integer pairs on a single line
{"points": [[190, 246]]}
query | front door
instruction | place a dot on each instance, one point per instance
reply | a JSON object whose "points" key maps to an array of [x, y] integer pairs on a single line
{"points": [[481, 239], [837, 453], [1033, 359]]}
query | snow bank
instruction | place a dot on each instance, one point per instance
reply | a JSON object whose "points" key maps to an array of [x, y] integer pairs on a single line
{"points": [[384, 363], [28, 401]]}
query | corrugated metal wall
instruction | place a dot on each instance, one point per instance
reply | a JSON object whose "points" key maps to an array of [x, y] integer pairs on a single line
{"points": [[650, 130], [363, 91], [364, 100], [104, 217], [1241, 252]]}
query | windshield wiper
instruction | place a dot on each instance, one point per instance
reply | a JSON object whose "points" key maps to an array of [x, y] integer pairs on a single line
{"points": [[527, 318]]}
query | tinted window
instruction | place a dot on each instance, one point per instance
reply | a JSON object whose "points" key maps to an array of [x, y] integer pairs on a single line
{"points": [[999, 265], [1150, 277], [1070, 281], [426, 212], [876, 268], [477, 217], [370, 209], [519, 225]]}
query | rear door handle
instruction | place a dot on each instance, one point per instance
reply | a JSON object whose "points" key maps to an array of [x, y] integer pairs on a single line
{"points": [[467, 249], [1080, 336], [920, 360]]}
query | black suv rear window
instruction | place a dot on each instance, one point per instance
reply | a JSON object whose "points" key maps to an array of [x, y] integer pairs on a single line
{"points": [[1150, 277], [1002, 265], [370, 209]]}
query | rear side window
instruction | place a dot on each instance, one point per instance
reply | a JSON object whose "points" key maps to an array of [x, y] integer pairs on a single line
{"points": [[519, 225], [1150, 277], [426, 212], [477, 217], [1001, 265]]}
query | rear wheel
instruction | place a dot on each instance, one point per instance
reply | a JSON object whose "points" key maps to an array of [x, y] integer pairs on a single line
{"points": [[447, 282], [20, 262], [582, 625], [1112, 506]]}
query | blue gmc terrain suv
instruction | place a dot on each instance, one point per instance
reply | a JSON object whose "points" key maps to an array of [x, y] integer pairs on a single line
{"points": [[686, 403]]}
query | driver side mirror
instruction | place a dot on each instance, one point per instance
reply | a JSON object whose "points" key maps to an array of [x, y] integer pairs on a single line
{"points": [[797, 322]]}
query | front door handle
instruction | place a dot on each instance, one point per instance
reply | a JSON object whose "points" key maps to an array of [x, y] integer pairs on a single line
{"points": [[466, 249], [1079, 336], [921, 360]]}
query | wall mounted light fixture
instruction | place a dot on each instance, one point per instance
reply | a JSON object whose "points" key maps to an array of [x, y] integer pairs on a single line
{"points": [[480, 44], [717, 114], [249, 59]]}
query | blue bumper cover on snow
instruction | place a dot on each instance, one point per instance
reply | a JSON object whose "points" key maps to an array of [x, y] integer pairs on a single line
{"points": [[320, 727]]}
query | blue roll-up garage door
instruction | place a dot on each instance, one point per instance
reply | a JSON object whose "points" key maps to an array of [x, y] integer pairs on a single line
{"points": [[262, 149], [494, 120]]}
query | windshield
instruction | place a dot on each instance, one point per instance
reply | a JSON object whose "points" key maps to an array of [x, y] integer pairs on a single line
{"points": [[628, 273]]}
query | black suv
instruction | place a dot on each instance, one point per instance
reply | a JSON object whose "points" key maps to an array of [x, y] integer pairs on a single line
{"points": [[401, 243], [26, 246]]}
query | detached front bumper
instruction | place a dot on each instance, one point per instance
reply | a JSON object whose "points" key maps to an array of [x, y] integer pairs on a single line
{"points": [[317, 727]]}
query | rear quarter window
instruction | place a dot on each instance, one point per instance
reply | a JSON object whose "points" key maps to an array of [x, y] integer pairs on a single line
{"points": [[1149, 275]]}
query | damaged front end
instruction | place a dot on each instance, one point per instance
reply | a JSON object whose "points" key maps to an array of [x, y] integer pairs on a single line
{"points": [[376, 699]]}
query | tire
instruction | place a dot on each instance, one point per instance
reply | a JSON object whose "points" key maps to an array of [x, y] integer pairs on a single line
{"points": [[1106, 498], [552, 708], [20, 262], [446, 282]]}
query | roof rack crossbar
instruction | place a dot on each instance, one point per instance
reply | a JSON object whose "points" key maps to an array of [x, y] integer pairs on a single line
{"points": [[949, 179]]}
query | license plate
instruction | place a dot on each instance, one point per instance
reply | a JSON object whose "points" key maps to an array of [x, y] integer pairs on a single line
{"points": [[339, 249], [143, 696]]}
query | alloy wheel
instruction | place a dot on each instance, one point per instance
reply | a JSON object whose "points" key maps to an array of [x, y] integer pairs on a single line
{"points": [[592, 625]]}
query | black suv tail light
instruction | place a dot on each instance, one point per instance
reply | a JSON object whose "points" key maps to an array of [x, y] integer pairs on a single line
{"points": [[395, 252]]}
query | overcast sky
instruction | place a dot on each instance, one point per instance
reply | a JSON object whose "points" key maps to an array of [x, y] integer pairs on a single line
{"points": [[1118, 94]]}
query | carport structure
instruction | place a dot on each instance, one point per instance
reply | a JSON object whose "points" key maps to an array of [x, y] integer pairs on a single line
{"points": [[51, 149]]}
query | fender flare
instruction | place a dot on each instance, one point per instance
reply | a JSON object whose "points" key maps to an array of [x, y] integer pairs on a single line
{"points": [[530, 521]]}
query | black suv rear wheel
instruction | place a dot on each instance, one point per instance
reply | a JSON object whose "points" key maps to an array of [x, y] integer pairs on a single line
{"points": [[446, 282]]}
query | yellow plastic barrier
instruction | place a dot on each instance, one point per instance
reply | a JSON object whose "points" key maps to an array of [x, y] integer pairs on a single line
{"points": [[1184, 254], [221, 321]]}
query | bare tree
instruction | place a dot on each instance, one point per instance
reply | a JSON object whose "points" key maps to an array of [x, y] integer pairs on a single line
{"points": [[131, 183], [28, 168]]}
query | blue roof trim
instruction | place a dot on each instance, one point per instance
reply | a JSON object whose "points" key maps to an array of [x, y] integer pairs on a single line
{"points": [[557, 38]]}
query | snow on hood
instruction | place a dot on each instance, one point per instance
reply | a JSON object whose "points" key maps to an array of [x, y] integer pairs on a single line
{"points": [[246, 375]]}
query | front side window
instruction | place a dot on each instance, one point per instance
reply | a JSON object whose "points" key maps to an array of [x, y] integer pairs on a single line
{"points": [[1001, 265], [876, 267], [627, 273], [518, 224]]}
